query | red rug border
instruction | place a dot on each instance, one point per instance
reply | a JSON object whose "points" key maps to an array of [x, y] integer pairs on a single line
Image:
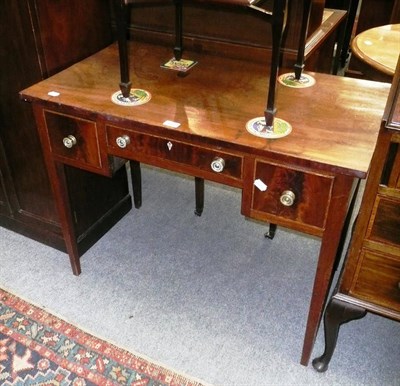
{"points": [[146, 365]]}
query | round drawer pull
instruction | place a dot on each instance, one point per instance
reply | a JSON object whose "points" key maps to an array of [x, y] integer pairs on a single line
{"points": [[69, 141], [287, 198], [218, 164], [123, 141]]}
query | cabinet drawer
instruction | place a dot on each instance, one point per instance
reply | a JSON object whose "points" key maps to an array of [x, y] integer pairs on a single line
{"points": [[73, 139], [289, 196], [384, 225], [151, 149], [378, 280]]}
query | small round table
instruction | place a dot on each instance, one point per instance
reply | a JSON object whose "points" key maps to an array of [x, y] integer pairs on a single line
{"points": [[378, 49]]}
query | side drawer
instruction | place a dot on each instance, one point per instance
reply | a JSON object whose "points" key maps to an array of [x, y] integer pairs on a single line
{"points": [[378, 280], [384, 226], [74, 140], [289, 196], [190, 158]]}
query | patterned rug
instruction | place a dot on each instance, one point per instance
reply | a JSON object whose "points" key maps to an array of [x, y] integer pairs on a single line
{"points": [[37, 348]]}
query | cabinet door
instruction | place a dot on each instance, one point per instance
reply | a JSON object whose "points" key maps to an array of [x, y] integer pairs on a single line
{"points": [[37, 39], [70, 30], [23, 167], [5, 207]]}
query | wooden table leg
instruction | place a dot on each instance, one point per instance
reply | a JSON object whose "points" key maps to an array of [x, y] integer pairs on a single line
{"points": [[59, 186], [136, 176], [278, 28], [121, 14], [199, 195], [299, 65], [341, 195], [178, 49]]}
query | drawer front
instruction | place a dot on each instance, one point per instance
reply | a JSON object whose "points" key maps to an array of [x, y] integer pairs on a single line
{"points": [[73, 139], [378, 280], [291, 195], [385, 221], [147, 148]]}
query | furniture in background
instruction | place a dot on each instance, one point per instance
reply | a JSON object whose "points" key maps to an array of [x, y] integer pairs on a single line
{"points": [[39, 38], [351, 6], [250, 36], [377, 51], [372, 13], [370, 277]]}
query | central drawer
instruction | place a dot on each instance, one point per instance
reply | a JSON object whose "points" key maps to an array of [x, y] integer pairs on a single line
{"points": [[175, 155]]}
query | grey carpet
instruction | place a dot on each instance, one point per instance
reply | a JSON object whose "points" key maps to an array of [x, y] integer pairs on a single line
{"points": [[208, 296]]}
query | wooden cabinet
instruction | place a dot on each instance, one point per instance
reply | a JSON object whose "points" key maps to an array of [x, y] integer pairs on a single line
{"points": [[39, 38], [370, 279]]}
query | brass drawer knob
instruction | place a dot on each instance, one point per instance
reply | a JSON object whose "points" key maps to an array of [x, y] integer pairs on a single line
{"points": [[218, 164], [287, 198], [69, 141], [123, 141]]}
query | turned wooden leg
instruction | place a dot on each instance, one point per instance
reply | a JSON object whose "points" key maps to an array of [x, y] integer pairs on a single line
{"points": [[337, 313], [136, 176], [199, 193]]}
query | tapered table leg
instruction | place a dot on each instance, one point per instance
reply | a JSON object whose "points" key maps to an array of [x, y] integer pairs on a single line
{"points": [[270, 234], [278, 26], [121, 16], [199, 193], [136, 176], [299, 65], [178, 49], [341, 194]]}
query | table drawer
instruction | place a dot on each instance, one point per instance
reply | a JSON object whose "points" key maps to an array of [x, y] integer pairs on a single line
{"points": [[149, 148], [290, 197], [73, 139], [378, 280]]}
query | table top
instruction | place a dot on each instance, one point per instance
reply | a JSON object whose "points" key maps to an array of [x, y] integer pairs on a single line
{"points": [[335, 122], [379, 47]]}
